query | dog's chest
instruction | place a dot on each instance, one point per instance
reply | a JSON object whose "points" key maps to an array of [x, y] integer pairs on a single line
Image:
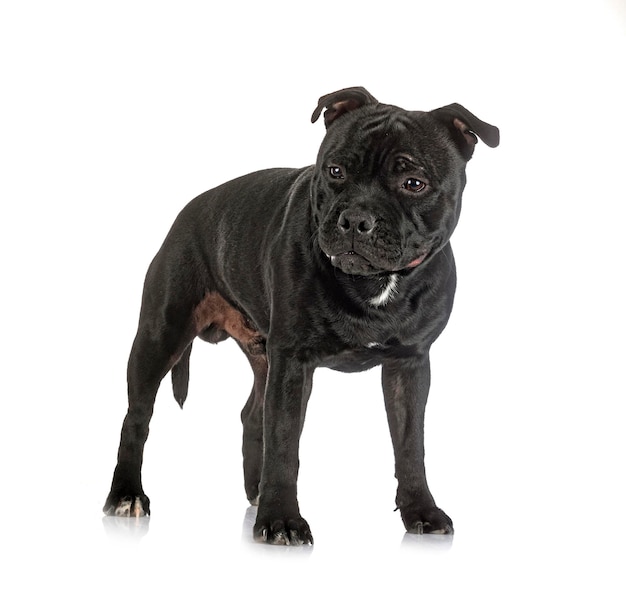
{"points": [[355, 345]]}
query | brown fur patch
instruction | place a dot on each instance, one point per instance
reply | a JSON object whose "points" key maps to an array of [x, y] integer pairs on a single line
{"points": [[214, 314]]}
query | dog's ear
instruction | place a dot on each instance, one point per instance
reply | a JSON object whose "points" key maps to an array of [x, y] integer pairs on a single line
{"points": [[464, 126], [341, 102]]}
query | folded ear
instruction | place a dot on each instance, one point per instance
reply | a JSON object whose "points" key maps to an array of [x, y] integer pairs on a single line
{"points": [[464, 126], [341, 102]]}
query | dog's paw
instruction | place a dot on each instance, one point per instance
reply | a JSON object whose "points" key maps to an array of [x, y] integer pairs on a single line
{"points": [[429, 520], [293, 531], [128, 506]]}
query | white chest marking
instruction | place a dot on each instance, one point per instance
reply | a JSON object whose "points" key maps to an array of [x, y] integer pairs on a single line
{"points": [[387, 293]]}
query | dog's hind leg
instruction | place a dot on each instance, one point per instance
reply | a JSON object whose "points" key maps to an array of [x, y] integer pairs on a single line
{"points": [[153, 354], [252, 419], [167, 326], [217, 319]]}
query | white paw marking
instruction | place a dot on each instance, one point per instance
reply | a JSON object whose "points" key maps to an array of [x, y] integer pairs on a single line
{"points": [[130, 508]]}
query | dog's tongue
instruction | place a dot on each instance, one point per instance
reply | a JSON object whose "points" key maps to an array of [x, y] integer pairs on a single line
{"points": [[417, 261]]}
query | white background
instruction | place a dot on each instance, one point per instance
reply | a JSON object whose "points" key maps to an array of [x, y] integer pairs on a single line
{"points": [[116, 114]]}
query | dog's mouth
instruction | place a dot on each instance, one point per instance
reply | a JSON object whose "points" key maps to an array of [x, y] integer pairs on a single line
{"points": [[351, 262]]}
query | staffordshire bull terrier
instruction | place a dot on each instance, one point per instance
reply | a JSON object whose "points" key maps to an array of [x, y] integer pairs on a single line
{"points": [[345, 264]]}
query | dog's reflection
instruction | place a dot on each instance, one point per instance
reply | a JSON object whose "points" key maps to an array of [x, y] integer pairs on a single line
{"points": [[428, 542], [126, 528]]}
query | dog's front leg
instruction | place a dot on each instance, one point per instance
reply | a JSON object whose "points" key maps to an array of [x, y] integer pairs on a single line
{"points": [[405, 386], [288, 389]]}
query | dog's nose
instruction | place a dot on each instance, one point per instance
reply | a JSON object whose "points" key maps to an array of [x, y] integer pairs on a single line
{"points": [[360, 221]]}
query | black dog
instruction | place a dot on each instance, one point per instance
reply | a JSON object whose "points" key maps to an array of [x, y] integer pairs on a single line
{"points": [[344, 264]]}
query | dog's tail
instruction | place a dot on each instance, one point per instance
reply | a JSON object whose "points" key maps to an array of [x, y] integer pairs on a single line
{"points": [[180, 377]]}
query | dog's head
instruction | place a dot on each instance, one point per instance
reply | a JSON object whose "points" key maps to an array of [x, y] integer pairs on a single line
{"points": [[388, 182]]}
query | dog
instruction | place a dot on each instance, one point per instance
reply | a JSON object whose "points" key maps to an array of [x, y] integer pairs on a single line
{"points": [[344, 264]]}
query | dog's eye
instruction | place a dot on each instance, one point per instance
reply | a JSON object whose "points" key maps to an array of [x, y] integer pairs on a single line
{"points": [[414, 185], [335, 172]]}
